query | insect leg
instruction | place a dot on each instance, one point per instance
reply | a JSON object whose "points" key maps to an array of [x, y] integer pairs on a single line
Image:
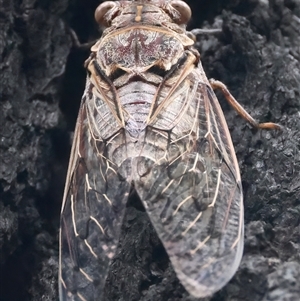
{"points": [[77, 44], [199, 31], [215, 84]]}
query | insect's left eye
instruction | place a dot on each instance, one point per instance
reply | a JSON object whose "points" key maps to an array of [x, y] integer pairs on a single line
{"points": [[102, 10], [184, 11]]}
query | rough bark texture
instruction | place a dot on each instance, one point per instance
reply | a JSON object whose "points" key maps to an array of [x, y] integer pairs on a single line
{"points": [[257, 57]]}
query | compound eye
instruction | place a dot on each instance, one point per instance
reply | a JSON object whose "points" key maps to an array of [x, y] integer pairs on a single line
{"points": [[102, 10], [184, 11]]}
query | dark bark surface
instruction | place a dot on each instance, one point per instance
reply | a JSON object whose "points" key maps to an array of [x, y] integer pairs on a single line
{"points": [[41, 82]]}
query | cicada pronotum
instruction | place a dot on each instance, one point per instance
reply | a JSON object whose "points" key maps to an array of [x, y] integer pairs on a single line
{"points": [[149, 121]]}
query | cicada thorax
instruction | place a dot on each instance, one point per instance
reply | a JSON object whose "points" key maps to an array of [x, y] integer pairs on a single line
{"points": [[141, 76]]}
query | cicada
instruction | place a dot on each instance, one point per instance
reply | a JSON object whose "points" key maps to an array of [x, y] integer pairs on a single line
{"points": [[149, 121]]}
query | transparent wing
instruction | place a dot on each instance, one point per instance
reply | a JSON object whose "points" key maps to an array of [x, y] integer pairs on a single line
{"points": [[192, 190], [91, 217]]}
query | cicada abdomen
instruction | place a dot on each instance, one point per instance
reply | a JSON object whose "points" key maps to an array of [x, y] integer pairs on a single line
{"points": [[150, 121]]}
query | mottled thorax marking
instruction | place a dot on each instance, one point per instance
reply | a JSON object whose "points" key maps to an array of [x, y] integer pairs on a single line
{"points": [[139, 9]]}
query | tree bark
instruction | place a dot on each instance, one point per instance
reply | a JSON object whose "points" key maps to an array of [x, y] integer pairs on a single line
{"points": [[41, 82]]}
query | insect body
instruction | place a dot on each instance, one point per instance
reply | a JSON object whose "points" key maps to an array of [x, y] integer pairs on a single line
{"points": [[150, 121]]}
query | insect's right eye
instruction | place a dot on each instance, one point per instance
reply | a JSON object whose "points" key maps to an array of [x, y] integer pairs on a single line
{"points": [[102, 10], [184, 11]]}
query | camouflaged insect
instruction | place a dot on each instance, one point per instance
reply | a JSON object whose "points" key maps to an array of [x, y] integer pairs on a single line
{"points": [[150, 121]]}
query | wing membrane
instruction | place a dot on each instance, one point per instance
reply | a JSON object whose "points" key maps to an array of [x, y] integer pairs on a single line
{"points": [[91, 217], [193, 193]]}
